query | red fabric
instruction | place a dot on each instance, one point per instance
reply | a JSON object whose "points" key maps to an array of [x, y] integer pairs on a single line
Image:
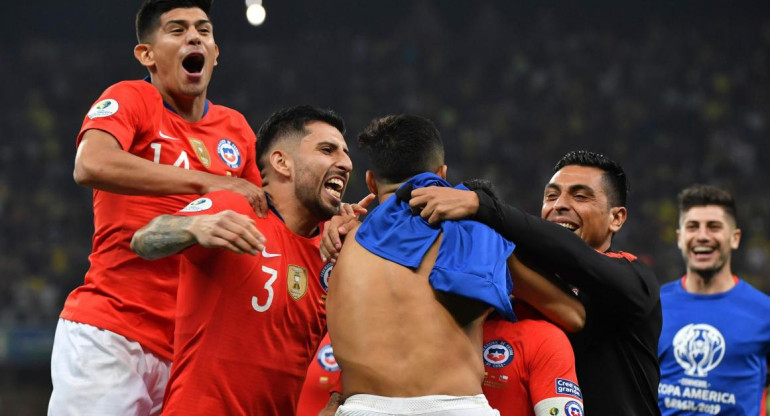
{"points": [[320, 382], [541, 354], [122, 292], [618, 255], [230, 358]]}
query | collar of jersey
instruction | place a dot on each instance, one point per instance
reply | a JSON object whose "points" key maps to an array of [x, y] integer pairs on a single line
{"points": [[169, 107], [275, 211]]}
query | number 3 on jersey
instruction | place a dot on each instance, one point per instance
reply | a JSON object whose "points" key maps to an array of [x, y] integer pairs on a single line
{"points": [[269, 288], [181, 161]]}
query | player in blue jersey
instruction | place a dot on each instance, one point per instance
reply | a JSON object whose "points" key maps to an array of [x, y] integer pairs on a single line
{"points": [[715, 341]]}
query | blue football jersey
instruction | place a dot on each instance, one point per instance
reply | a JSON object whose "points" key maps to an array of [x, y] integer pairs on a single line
{"points": [[713, 351]]}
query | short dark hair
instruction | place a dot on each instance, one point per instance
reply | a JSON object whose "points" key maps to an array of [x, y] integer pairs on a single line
{"points": [[290, 121], [401, 146], [615, 181], [701, 195], [148, 16]]}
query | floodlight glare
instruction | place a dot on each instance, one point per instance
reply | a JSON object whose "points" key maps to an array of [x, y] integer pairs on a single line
{"points": [[256, 14]]}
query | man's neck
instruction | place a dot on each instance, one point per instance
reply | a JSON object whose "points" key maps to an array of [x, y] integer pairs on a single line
{"points": [[719, 282], [189, 108], [296, 216]]}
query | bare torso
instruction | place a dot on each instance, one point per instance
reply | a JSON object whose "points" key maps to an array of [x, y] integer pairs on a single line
{"points": [[394, 336]]}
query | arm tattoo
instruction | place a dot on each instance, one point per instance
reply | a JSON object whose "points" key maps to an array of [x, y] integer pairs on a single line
{"points": [[163, 236]]}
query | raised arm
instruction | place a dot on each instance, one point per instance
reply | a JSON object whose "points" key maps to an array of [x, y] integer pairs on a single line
{"points": [[625, 281], [555, 303], [169, 234], [101, 163]]}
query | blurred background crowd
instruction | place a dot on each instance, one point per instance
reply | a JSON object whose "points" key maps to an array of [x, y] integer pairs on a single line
{"points": [[677, 92]]}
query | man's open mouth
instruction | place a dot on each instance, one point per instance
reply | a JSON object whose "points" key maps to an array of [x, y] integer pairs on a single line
{"points": [[193, 63]]}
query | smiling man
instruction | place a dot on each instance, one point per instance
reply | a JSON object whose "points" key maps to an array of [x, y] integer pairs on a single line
{"points": [[146, 147], [251, 310], [583, 207], [716, 327]]}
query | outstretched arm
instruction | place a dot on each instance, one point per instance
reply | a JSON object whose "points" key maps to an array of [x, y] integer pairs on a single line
{"points": [[169, 234], [101, 163], [340, 225], [554, 302]]}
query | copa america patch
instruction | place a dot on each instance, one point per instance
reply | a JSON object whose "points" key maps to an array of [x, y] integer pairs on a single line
{"points": [[326, 358], [200, 204], [573, 408], [103, 108], [497, 354], [229, 153], [568, 388], [325, 273]]}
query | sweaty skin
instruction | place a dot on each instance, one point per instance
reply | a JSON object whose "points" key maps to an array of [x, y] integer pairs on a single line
{"points": [[391, 330]]}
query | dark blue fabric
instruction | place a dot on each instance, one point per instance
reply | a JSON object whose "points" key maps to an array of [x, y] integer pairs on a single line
{"points": [[471, 260]]}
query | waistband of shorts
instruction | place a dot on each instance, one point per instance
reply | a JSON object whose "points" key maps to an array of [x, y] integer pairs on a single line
{"points": [[415, 405]]}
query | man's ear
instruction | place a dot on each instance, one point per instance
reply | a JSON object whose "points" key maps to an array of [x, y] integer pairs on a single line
{"points": [[144, 54], [618, 217], [371, 183], [735, 239], [216, 54], [281, 163], [441, 172]]}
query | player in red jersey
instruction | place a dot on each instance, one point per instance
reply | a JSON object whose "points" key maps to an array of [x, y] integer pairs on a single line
{"points": [[529, 366], [146, 147], [247, 325], [322, 391]]}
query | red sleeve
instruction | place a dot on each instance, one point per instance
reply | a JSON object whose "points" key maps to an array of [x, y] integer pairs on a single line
{"points": [[119, 111], [552, 367]]}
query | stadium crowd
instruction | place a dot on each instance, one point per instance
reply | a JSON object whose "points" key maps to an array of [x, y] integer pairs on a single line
{"points": [[677, 98]]}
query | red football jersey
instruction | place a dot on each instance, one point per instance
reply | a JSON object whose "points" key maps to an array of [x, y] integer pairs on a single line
{"points": [[122, 292], [529, 363], [323, 378], [247, 326]]}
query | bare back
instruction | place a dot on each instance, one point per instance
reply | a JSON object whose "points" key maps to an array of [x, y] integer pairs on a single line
{"points": [[394, 336]]}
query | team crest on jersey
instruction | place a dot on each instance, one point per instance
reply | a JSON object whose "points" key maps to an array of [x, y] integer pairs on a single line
{"points": [[229, 153], [497, 354], [699, 348], [573, 408], [297, 282], [325, 273], [103, 108], [200, 204], [200, 151], [326, 359]]}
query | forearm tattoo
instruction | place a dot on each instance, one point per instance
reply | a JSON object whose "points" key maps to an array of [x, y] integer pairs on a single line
{"points": [[163, 236]]}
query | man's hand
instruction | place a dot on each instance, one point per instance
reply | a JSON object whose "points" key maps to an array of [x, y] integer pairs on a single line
{"points": [[229, 230], [335, 400], [339, 225], [254, 194], [438, 203]]}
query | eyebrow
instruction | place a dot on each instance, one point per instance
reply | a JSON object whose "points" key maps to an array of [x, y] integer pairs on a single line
{"points": [[572, 188], [335, 145], [183, 22]]}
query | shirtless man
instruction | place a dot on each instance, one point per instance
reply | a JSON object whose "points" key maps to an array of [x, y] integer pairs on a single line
{"points": [[406, 322]]}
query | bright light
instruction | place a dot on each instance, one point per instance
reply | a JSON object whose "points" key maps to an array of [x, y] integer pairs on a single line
{"points": [[255, 14]]}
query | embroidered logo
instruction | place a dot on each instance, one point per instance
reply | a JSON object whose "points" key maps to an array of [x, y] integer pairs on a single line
{"points": [[297, 282], [573, 408], [326, 358], [497, 354], [229, 153], [103, 108], [200, 204], [325, 273], [200, 151]]}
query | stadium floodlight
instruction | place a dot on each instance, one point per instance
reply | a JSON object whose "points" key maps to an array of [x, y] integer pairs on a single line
{"points": [[255, 13], [250, 2]]}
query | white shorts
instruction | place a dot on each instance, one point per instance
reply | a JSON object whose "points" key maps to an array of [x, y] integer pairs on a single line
{"points": [[98, 372], [369, 405]]}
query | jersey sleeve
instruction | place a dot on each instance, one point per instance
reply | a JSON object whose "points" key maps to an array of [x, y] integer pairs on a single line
{"points": [[619, 279], [553, 381], [119, 111]]}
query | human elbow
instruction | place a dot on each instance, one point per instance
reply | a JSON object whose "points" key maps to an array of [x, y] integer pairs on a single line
{"points": [[137, 244], [575, 320], [86, 172]]}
